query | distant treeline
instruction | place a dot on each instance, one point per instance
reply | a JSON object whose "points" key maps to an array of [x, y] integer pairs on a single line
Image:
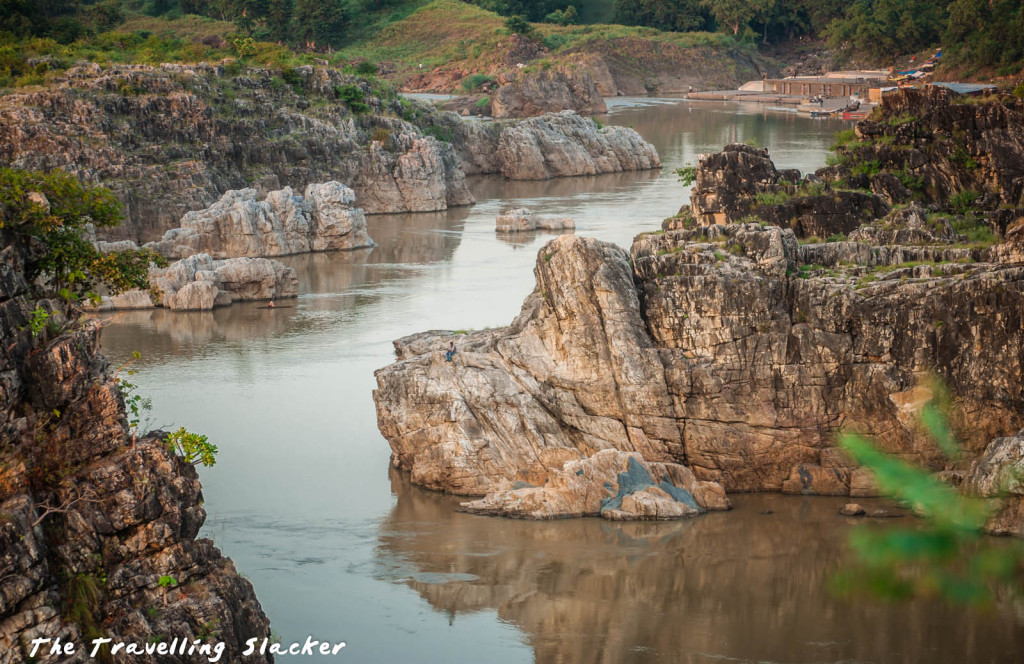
{"points": [[977, 33]]}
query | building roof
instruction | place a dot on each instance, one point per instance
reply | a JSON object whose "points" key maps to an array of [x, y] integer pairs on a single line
{"points": [[965, 88]]}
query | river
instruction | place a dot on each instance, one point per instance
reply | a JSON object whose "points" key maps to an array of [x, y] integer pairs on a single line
{"points": [[340, 547]]}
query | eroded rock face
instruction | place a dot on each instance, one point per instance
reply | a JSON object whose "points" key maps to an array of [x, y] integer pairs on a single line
{"points": [[240, 225], [182, 136], [575, 373], [616, 485], [741, 183], [519, 220], [552, 145], [548, 91], [737, 354], [200, 283], [999, 474], [119, 518]]}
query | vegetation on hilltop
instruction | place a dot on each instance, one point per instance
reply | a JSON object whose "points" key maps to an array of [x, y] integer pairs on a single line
{"points": [[981, 37]]}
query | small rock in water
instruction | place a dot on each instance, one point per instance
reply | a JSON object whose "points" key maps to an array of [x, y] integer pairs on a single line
{"points": [[768, 512], [521, 219], [852, 509]]}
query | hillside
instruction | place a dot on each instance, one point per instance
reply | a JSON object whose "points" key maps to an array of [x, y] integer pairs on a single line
{"points": [[440, 46]]}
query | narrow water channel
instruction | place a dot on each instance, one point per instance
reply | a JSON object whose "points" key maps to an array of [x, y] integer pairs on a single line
{"points": [[341, 548]]}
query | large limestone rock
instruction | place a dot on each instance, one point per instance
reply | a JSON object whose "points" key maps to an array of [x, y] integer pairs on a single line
{"points": [[564, 144], [740, 353], [576, 373], [548, 91], [520, 220], [552, 145], [616, 485], [200, 282], [323, 219]]}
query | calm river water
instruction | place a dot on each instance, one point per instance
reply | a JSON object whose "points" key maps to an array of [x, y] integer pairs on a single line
{"points": [[341, 548]]}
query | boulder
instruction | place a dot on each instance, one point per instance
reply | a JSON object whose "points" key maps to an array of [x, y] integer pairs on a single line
{"points": [[548, 91], [616, 485], [239, 225], [551, 145], [519, 220], [199, 282]]}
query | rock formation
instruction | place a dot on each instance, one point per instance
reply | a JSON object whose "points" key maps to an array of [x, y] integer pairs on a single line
{"points": [[733, 349], [174, 138], [519, 220], [552, 145], [616, 485], [239, 225], [548, 91], [92, 522], [998, 474]]}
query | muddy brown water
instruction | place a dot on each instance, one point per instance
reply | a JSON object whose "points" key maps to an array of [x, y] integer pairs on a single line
{"points": [[341, 548]]}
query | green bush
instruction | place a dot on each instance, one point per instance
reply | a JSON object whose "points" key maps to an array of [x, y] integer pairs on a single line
{"points": [[476, 81], [353, 97], [367, 68], [192, 447], [54, 208], [962, 202]]}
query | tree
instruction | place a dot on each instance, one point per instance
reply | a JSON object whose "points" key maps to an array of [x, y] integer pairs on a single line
{"points": [[887, 28], [320, 24], [673, 15], [51, 210], [737, 14]]}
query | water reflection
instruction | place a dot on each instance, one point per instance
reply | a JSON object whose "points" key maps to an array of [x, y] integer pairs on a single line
{"points": [[743, 585]]}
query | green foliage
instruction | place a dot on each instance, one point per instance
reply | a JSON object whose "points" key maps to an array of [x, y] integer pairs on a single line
{"points": [[868, 167], [39, 321], [687, 175], [353, 97], [836, 237], [947, 554], [476, 81], [167, 581], [443, 134], [909, 180], [881, 28], [963, 202], [367, 68], [55, 208], [977, 230], [192, 447], [670, 15], [771, 197], [518, 25]]}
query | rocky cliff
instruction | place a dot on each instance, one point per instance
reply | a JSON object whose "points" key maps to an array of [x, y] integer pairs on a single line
{"points": [[548, 91], [174, 138], [733, 349], [91, 522]]}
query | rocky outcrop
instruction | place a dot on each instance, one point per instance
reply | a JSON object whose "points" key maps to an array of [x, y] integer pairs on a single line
{"points": [[616, 485], [945, 149], [552, 145], [92, 522], [998, 474], [576, 373], [548, 91], [174, 138], [741, 355], [742, 184], [200, 283], [240, 225], [519, 220]]}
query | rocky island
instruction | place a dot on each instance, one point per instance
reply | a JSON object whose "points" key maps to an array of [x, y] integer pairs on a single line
{"points": [[736, 342]]}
